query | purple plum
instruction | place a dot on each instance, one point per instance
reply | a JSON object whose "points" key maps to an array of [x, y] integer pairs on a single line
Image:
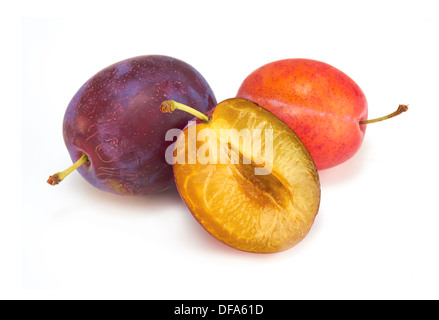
{"points": [[113, 127]]}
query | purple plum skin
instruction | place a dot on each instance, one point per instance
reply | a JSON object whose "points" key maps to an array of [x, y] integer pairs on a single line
{"points": [[115, 119]]}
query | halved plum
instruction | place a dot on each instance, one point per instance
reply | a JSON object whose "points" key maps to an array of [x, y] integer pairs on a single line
{"points": [[247, 178]]}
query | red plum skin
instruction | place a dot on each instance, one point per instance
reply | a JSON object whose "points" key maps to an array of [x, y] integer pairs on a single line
{"points": [[320, 103]]}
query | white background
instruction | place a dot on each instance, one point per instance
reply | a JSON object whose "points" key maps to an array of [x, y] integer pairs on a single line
{"points": [[377, 233]]}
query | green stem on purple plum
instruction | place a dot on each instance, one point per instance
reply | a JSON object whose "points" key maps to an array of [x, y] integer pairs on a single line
{"points": [[58, 177], [169, 106], [401, 108]]}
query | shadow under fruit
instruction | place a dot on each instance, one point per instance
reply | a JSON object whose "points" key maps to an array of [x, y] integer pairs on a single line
{"points": [[113, 127]]}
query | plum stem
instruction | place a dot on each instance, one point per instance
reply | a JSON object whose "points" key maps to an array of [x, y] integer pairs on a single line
{"points": [[58, 177], [401, 108], [169, 106]]}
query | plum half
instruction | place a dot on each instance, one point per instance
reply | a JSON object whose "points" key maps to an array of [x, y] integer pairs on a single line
{"points": [[241, 197], [113, 127]]}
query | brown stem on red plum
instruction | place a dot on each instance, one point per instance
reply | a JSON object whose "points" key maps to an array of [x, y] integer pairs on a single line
{"points": [[401, 108]]}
